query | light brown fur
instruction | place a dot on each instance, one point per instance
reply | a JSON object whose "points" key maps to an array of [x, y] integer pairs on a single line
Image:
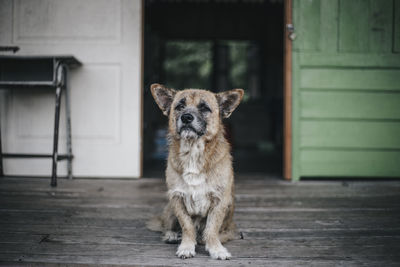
{"points": [[199, 174]]}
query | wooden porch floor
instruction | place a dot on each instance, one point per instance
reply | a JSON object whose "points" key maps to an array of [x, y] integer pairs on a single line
{"points": [[96, 222]]}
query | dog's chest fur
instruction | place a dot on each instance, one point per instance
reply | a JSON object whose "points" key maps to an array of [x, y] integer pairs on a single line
{"points": [[195, 190]]}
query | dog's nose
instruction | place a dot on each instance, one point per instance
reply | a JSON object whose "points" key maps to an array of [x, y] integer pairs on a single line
{"points": [[187, 118]]}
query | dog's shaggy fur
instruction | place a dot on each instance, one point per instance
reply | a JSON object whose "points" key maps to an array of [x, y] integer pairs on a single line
{"points": [[199, 172]]}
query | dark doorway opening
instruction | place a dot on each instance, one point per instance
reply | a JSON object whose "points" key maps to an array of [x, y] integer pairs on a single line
{"points": [[218, 45]]}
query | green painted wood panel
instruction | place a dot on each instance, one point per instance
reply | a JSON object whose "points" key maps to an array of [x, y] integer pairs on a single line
{"points": [[360, 79], [350, 163], [318, 29], [328, 25], [350, 134], [346, 89], [350, 105], [396, 31], [365, 25], [353, 25], [347, 60], [309, 31], [380, 25]]}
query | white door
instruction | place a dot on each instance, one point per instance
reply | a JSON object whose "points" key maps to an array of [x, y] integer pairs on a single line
{"points": [[106, 36]]}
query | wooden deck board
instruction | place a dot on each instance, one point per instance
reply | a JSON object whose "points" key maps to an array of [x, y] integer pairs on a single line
{"points": [[102, 222]]}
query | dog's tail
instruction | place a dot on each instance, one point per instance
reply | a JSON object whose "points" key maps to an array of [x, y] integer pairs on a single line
{"points": [[155, 224]]}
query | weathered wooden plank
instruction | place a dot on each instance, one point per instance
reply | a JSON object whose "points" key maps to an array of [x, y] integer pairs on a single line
{"points": [[280, 190], [107, 261], [333, 234], [301, 204], [350, 105], [77, 189], [247, 207], [353, 33], [13, 238], [350, 134], [288, 201], [328, 236], [245, 248], [267, 186], [312, 238], [350, 79], [77, 230], [269, 189], [350, 163], [243, 213], [132, 229], [239, 248], [310, 225], [255, 204]]}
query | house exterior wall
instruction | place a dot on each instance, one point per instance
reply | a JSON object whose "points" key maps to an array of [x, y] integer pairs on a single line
{"points": [[346, 88], [106, 36]]}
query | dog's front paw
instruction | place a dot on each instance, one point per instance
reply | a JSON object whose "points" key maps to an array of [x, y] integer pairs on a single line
{"points": [[219, 253], [186, 251]]}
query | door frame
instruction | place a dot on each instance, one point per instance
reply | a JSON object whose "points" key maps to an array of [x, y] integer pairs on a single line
{"points": [[287, 91], [142, 88]]}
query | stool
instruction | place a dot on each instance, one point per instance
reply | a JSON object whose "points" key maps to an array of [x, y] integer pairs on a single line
{"points": [[41, 72]]}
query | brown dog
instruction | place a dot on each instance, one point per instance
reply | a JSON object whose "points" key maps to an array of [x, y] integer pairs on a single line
{"points": [[199, 172]]}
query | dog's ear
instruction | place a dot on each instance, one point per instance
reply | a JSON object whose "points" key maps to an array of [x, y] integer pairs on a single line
{"points": [[228, 101], [163, 97]]}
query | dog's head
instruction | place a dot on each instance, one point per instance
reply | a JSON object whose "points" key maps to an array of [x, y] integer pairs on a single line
{"points": [[195, 113]]}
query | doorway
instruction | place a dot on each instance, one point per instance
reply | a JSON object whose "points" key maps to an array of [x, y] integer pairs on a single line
{"points": [[218, 45]]}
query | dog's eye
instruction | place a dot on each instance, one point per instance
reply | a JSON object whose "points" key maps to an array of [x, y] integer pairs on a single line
{"points": [[204, 108], [179, 107], [181, 104]]}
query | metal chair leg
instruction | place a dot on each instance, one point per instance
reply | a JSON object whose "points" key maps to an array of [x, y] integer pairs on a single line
{"points": [[1, 156], [55, 141], [68, 115]]}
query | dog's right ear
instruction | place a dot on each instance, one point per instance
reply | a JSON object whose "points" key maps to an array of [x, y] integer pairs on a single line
{"points": [[163, 97]]}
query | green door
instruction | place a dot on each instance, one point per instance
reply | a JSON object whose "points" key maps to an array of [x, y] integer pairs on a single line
{"points": [[346, 88]]}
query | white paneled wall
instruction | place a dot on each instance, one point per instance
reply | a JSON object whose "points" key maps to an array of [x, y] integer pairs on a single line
{"points": [[106, 36]]}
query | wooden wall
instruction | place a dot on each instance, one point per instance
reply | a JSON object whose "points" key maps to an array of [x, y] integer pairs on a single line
{"points": [[346, 88]]}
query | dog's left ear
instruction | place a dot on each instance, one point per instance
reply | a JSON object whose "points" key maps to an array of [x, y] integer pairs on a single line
{"points": [[163, 97], [228, 101]]}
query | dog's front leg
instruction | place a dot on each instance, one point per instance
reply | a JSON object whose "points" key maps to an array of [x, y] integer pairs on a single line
{"points": [[187, 247], [211, 233]]}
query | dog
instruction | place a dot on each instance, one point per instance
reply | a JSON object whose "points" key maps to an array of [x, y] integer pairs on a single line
{"points": [[199, 173]]}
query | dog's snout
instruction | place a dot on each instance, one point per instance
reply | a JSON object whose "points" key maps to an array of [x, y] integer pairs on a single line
{"points": [[187, 118]]}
